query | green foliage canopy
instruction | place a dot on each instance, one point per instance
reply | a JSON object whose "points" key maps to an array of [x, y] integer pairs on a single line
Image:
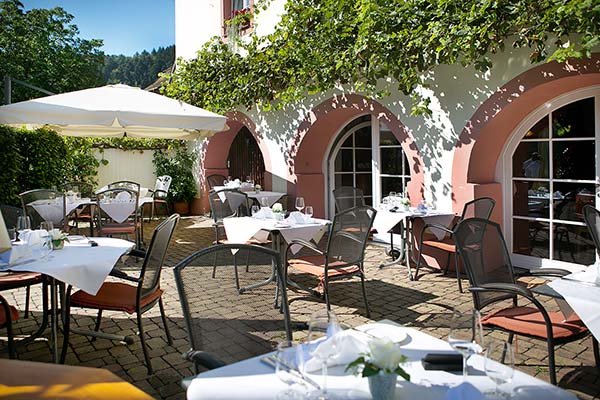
{"points": [[139, 70], [178, 164], [42, 47], [320, 44]]}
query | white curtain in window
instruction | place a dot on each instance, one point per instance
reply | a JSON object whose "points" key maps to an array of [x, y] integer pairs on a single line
{"points": [[239, 4]]}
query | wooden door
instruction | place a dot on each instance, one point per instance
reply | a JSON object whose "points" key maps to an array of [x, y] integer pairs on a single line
{"points": [[245, 158]]}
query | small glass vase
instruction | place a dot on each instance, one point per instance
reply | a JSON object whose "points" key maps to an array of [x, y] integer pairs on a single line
{"points": [[383, 386], [58, 244]]}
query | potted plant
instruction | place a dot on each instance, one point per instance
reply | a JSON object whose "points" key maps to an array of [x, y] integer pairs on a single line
{"points": [[381, 365], [178, 164]]}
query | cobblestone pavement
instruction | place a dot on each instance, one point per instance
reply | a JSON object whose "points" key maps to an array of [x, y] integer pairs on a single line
{"points": [[391, 296]]}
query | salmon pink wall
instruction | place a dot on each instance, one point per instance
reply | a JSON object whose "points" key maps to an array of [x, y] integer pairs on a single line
{"points": [[483, 138], [311, 145]]}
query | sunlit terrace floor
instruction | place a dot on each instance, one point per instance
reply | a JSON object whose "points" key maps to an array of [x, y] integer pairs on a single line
{"points": [[391, 296]]}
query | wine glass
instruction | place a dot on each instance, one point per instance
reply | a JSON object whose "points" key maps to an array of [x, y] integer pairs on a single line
{"points": [[309, 212], [23, 224], [323, 327], [288, 364], [299, 203], [499, 364], [255, 209], [466, 335], [47, 226], [46, 248]]}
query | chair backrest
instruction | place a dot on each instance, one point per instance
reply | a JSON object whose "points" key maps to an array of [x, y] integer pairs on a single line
{"points": [[85, 189], [592, 220], [228, 203], [215, 180], [485, 256], [124, 184], [10, 215], [478, 208], [36, 215], [116, 205], [219, 319], [162, 185], [155, 256], [348, 197], [348, 236]]}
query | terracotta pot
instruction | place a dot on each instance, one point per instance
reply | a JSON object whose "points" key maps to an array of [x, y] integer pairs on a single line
{"points": [[181, 207], [196, 208]]}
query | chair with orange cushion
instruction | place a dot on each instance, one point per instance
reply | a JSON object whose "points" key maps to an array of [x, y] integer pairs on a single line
{"points": [[138, 298], [8, 314], [478, 208], [344, 255], [215, 180], [483, 251], [117, 213]]}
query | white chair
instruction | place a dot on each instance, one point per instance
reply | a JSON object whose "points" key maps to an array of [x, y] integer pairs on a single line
{"points": [[160, 192]]}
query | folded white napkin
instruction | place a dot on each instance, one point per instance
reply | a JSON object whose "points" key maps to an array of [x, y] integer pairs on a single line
{"points": [[589, 275], [464, 391], [264, 213], [297, 218], [33, 237], [233, 185], [348, 347], [123, 196]]}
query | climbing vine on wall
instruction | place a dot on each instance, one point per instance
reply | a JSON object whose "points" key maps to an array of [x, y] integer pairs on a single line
{"points": [[320, 44]]}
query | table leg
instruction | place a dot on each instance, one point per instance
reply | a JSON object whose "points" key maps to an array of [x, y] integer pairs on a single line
{"points": [[275, 237], [54, 320], [395, 260]]}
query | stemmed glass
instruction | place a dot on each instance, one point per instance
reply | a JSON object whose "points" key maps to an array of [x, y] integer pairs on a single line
{"points": [[299, 203], [324, 326], [309, 212], [255, 209], [466, 335], [288, 364], [23, 224], [500, 364]]}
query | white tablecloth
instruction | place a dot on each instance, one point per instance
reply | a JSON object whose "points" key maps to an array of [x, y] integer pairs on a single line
{"points": [[240, 230], [79, 264], [252, 379], [385, 220], [271, 197], [119, 211], [581, 294], [52, 210]]}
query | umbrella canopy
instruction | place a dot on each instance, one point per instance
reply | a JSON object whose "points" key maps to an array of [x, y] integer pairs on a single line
{"points": [[114, 110]]}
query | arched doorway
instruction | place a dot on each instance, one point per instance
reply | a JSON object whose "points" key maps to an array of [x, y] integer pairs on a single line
{"points": [[366, 154], [551, 175], [245, 158]]}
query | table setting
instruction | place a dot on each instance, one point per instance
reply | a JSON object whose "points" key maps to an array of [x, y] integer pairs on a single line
{"points": [[380, 360]]}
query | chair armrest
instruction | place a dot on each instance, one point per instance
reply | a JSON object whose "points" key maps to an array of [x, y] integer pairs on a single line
{"points": [[307, 244], [555, 272], [203, 358], [438, 226], [503, 287], [137, 253], [117, 273]]}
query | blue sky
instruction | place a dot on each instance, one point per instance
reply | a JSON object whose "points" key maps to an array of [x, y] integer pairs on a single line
{"points": [[125, 26]]}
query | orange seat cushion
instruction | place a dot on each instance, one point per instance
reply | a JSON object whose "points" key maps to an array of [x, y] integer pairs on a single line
{"points": [[14, 314], [445, 244], [13, 280], [113, 296], [113, 229], [529, 321], [315, 265]]}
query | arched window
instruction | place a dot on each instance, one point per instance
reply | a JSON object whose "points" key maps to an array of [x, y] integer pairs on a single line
{"points": [[554, 174]]}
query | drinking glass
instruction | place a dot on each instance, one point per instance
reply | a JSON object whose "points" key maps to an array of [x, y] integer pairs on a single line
{"points": [[248, 179], [288, 364], [499, 365], [47, 226], [391, 195], [255, 209], [299, 203], [23, 224], [46, 247], [309, 211], [466, 335], [324, 326], [264, 202]]}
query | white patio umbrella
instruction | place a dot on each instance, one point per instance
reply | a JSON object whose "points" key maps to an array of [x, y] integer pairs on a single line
{"points": [[114, 110]]}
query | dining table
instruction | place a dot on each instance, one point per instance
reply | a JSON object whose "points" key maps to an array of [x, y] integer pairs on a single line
{"points": [[268, 197], [389, 217], [83, 262], [241, 229], [254, 378]]}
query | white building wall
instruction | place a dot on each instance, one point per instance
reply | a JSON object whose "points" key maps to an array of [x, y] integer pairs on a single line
{"points": [[196, 21]]}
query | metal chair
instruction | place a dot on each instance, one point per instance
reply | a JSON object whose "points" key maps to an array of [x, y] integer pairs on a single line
{"points": [[138, 298], [8, 315], [224, 326], [81, 214], [160, 193], [479, 208], [117, 213], [485, 256], [31, 196], [591, 216], [131, 185], [348, 197], [215, 180], [345, 251]]}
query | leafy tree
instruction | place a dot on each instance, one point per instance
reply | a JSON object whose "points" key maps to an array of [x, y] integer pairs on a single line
{"points": [[42, 47], [141, 69], [320, 44]]}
